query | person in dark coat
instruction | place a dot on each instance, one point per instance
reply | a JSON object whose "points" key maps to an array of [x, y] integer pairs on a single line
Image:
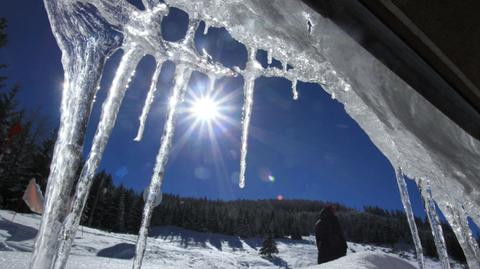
{"points": [[331, 243]]}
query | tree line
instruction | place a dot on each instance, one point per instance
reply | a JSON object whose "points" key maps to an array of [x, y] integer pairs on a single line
{"points": [[118, 209], [26, 148], [26, 142]]}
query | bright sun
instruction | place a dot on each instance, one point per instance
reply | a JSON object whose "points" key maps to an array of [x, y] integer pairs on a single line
{"points": [[205, 109], [208, 112]]}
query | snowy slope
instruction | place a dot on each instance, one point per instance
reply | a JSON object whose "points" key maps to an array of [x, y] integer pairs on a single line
{"points": [[173, 247]]}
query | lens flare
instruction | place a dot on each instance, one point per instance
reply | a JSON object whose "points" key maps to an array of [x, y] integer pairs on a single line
{"points": [[266, 175]]}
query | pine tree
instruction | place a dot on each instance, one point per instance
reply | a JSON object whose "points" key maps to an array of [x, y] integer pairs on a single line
{"points": [[134, 219], [3, 34], [95, 197], [130, 199], [119, 200], [3, 42], [109, 208], [43, 158], [16, 165], [269, 247]]}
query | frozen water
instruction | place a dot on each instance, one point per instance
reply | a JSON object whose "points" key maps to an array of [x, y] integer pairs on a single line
{"points": [[182, 77], [78, 32], [251, 73], [148, 101], [457, 218], [402, 186], [294, 89], [110, 110], [435, 223], [158, 199], [409, 131]]}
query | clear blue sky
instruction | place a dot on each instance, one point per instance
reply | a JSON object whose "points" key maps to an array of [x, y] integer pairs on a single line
{"points": [[311, 146]]}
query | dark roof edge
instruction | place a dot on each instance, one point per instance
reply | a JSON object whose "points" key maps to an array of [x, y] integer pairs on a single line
{"points": [[388, 34]]}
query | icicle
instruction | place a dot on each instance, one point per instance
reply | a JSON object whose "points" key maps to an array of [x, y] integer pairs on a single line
{"points": [[82, 76], [294, 89], [249, 83], [149, 100], [211, 83], [207, 27], [151, 5], [247, 113], [190, 35], [457, 219], [182, 77], [435, 224], [108, 117], [148, 4], [270, 56], [402, 186]]}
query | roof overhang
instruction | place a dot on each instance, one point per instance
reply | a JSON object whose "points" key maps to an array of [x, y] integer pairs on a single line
{"points": [[391, 36]]}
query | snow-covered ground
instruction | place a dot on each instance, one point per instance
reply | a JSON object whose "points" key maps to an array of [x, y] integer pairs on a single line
{"points": [[172, 247]]}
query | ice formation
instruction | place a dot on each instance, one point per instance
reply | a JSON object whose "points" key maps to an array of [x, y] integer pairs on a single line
{"points": [[435, 223], [148, 101], [252, 72], [182, 77], [402, 186], [409, 131], [110, 110], [457, 218]]}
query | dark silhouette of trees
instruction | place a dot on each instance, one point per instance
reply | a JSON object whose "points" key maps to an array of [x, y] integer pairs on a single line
{"points": [[21, 155]]}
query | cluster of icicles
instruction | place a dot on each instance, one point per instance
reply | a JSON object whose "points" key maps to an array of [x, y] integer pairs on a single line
{"points": [[86, 44]]}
